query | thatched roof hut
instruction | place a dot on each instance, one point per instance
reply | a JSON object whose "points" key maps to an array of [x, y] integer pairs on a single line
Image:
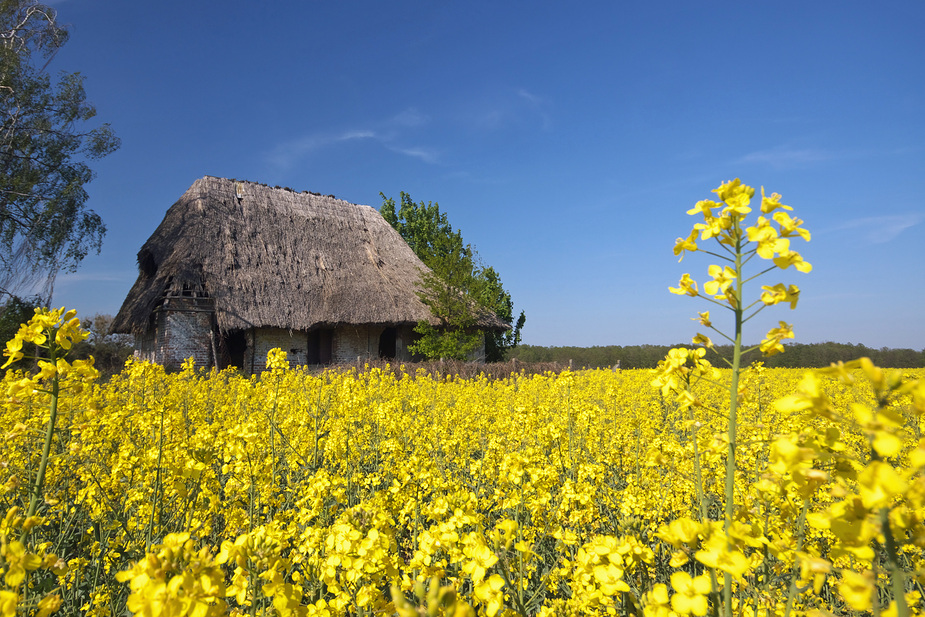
{"points": [[249, 257]]}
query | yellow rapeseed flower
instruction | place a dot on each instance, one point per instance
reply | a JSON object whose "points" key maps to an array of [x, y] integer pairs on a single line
{"points": [[686, 286], [685, 244], [790, 226], [878, 484], [772, 342], [857, 589], [690, 597], [787, 258], [778, 293], [769, 204], [723, 277], [657, 602]]}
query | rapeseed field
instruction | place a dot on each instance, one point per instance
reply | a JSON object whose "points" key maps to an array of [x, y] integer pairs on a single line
{"points": [[689, 490]]}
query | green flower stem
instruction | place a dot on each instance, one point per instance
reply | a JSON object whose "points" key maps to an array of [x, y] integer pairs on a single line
{"points": [[39, 484], [157, 505], [732, 426], [897, 575], [698, 475], [698, 479], [893, 565], [801, 537]]}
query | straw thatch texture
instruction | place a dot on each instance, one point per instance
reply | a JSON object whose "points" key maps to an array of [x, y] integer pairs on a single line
{"points": [[272, 257]]}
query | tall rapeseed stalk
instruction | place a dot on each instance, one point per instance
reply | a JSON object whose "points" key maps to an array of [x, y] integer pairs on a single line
{"points": [[724, 229]]}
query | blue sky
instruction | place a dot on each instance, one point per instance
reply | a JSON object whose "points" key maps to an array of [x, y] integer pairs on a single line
{"points": [[565, 140]]}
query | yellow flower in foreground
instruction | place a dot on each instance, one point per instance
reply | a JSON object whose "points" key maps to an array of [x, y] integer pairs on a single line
{"points": [[714, 227], [778, 293], [489, 593], [688, 244], [769, 241], [657, 602], [790, 226], [789, 258], [686, 286], [769, 204], [704, 207], [18, 562], [481, 558], [772, 343], [702, 339], [276, 359], [703, 318], [49, 604], [680, 532], [691, 593], [815, 569], [716, 554], [8, 602], [609, 576], [13, 350], [856, 589], [722, 279], [736, 196], [878, 484], [70, 331], [47, 370], [20, 388]]}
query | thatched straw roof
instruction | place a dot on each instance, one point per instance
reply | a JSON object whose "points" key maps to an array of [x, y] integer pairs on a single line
{"points": [[274, 257]]}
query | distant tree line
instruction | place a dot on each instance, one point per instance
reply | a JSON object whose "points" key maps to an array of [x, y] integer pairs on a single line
{"points": [[813, 355]]}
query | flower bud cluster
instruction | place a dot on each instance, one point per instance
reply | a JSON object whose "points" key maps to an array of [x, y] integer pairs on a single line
{"points": [[769, 238]]}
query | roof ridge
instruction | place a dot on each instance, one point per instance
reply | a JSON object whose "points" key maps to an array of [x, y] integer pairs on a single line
{"points": [[274, 187]]}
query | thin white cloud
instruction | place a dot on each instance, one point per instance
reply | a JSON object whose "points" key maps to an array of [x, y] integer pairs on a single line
{"points": [[786, 156], [789, 156], [881, 229], [535, 100], [285, 155], [538, 105], [510, 108], [389, 134], [425, 154], [347, 136], [489, 119], [410, 117]]}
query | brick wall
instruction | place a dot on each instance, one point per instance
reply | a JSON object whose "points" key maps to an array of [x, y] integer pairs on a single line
{"points": [[182, 329], [146, 346], [352, 342], [184, 335], [293, 342]]}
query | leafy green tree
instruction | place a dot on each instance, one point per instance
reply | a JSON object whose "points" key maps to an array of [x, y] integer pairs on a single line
{"points": [[45, 144], [457, 286], [493, 296], [448, 288]]}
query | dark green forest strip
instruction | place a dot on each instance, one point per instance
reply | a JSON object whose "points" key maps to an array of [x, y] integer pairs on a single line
{"points": [[814, 355]]}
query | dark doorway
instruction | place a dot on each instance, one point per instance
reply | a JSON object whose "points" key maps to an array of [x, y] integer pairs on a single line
{"points": [[235, 349], [320, 346], [387, 343]]}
